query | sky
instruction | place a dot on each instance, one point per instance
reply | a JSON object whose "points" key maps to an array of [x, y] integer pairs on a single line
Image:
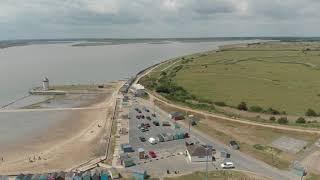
{"points": [[40, 19]]}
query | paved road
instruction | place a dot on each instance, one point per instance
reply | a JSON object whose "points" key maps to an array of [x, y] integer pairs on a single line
{"points": [[242, 161]]}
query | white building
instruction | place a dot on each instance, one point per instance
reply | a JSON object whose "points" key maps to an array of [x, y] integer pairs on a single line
{"points": [[198, 153], [138, 90], [45, 84]]}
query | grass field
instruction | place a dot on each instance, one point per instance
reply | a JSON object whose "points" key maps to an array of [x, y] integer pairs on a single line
{"points": [[282, 76], [216, 175]]}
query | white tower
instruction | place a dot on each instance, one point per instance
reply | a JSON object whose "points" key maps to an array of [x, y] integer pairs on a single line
{"points": [[45, 84]]}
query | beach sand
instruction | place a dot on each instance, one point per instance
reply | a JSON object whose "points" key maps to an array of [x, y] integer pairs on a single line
{"points": [[82, 136]]}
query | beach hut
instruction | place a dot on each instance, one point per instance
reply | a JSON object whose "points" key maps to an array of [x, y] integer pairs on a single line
{"points": [[176, 126], [35, 177], [95, 175], [139, 174], [86, 176], [61, 176], [104, 175], [160, 138], [77, 176], [126, 148], [52, 176], [19, 177], [4, 178], [43, 177], [69, 176], [170, 136], [141, 153], [27, 177]]}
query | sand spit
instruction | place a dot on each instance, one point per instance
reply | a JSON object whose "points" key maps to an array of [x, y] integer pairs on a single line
{"points": [[77, 139]]}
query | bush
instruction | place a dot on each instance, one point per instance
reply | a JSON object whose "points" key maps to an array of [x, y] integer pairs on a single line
{"points": [[301, 120], [311, 112], [242, 106], [220, 103], [163, 73], [272, 111], [163, 89], [272, 118], [256, 109], [283, 120]]}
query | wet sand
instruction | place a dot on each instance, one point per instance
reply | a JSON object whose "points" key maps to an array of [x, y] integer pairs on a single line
{"points": [[81, 136]]}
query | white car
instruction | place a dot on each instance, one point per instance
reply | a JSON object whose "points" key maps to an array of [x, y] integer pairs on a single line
{"points": [[227, 165], [152, 141]]}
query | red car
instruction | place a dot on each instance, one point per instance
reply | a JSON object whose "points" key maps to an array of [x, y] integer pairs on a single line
{"points": [[152, 154], [147, 125]]}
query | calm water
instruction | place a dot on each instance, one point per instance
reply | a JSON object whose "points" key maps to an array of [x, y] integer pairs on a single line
{"points": [[22, 68]]}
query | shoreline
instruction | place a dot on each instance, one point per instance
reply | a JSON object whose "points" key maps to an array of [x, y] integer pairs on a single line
{"points": [[59, 148]]}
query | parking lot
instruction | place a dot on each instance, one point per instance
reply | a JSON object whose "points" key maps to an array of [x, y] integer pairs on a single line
{"points": [[165, 148]]}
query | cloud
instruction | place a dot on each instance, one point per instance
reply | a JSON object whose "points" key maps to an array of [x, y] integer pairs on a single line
{"points": [[159, 18]]}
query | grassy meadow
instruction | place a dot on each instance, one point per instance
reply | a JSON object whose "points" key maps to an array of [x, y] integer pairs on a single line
{"points": [[282, 76]]}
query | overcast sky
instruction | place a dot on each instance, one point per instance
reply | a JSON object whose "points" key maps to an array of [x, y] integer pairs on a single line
{"points": [[24, 19]]}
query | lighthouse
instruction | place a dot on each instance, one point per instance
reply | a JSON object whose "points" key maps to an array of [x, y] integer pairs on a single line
{"points": [[45, 84]]}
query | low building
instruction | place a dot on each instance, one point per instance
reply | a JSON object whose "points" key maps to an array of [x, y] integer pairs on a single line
{"points": [[176, 116], [139, 174], [126, 148], [198, 153], [138, 90]]}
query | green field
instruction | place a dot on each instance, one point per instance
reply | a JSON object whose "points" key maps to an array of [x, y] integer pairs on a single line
{"points": [[216, 175], [282, 76]]}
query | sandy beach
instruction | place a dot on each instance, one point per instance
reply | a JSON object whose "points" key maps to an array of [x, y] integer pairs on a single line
{"points": [[80, 137]]}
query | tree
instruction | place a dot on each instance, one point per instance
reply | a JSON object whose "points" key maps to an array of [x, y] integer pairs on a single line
{"points": [[163, 73], [311, 112], [256, 109], [300, 120], [243, 106], [283, 120], [272, 111], [272, 118]]}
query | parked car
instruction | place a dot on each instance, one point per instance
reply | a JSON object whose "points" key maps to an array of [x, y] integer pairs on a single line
{"points": [[143, 129], [156, 123], [153, 115], [234, 145], [193, 123], [149, 118], [186, 135], [142, 116], [147, 125], [227, 165], [138, 117], [142, 139], [152, 140], [166, 123], [152, 154]]}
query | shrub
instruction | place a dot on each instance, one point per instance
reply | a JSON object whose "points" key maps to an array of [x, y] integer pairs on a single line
{"points": [[242, 106], [162, 89], [163, 73], [256, 109], [283, 120], [259, 147], [272, 111], [272, 118], [220, 103], [301, 120], [311, 112]]}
